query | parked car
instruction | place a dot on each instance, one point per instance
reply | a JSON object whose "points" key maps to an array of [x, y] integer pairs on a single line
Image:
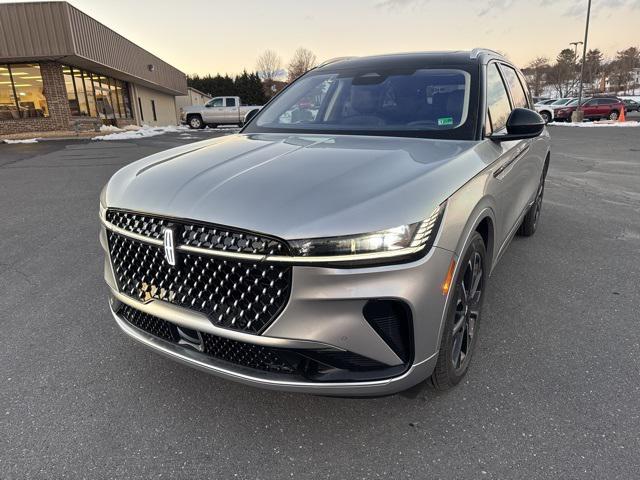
{"points": [[545, 101], [344, 250], [545, 111], [631, 105], [217, 111], [561, 102], [595, 108]]}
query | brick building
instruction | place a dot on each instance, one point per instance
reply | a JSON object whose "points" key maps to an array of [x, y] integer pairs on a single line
{"points": [[62, 70]]}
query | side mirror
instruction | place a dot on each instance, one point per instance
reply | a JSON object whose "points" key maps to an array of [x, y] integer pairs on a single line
{"points": [[250, 114], [522, 123]]}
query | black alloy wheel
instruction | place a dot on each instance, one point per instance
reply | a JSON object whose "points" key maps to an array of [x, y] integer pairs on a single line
{"points": [[530, 221], [460, 334], [467, 312]]}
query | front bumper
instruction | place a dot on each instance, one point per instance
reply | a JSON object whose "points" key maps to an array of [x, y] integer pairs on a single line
{"points": [[324, 312]]}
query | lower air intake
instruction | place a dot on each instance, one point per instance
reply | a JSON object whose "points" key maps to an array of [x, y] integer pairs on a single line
{"points": [[391, 319]]}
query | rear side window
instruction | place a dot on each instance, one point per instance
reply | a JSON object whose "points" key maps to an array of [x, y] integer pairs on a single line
{"points": [[497, 99], [606, 101], [517, 92], [231, 102], [525, 86]]}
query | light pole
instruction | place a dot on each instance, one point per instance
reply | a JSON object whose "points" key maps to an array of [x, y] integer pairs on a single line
{"points": [[575, 56], [575, 48], [578, 114]]}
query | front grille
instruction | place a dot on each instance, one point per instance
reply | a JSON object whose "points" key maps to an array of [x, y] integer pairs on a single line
{"points": [[239, 353], [239, 295]]}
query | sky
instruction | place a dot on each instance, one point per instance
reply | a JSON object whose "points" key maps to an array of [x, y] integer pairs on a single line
{"points": [[227, 36]]}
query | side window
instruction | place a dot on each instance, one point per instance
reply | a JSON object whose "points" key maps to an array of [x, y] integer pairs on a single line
{"points": [[517, 93], [591, 103], [231, 102], [525, 86], [216, 102], [497, 99]]}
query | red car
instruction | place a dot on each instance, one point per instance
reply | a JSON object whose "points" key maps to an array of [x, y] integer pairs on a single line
{"points": [[593, 108]]}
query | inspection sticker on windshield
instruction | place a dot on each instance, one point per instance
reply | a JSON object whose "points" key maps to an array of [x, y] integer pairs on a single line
{"points": [[445, 121]]}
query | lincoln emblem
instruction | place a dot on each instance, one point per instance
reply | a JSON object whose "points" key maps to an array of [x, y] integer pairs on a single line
{"points": [[169, 247]]}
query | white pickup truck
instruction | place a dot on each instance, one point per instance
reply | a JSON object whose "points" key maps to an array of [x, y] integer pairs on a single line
{"points": [[217, 111]]}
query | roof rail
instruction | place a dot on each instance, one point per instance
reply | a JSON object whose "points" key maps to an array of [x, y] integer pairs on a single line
{"points": [[333, 60], [475, 53]]}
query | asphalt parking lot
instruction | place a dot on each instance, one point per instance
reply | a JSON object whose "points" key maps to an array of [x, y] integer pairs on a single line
{"points": [[553, 392]]}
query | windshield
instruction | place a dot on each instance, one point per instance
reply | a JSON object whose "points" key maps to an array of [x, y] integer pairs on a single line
{"points": [[413, 102]]}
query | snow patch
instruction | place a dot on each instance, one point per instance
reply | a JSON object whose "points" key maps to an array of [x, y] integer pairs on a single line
{"points": [[595, 124], [27, 140], [110, 128], [129, 133]]}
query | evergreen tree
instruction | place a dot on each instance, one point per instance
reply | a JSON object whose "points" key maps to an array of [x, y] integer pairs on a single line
{"points": [[247, 86]]}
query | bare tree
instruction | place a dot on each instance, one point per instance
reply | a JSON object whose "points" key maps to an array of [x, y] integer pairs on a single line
{"points": [[269, 65], [536, 72], [303, 60], [563, 76], [622, 68]]}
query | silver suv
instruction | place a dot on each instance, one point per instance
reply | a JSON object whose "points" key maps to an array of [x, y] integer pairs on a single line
{"points": [[342, 242]]}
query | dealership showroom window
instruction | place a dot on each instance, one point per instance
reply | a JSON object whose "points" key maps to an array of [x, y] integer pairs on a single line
{"points": [[21, 92]]}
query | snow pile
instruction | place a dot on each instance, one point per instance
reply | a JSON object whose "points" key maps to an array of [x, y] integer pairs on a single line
{"points": [[109, 128], [27, 140], [596, 124], [140, 132]]}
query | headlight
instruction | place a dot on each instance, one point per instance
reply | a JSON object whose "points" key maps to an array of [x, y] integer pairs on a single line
{"points": [[403, 241]]}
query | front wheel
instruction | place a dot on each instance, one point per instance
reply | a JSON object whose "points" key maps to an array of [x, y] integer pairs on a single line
{"points": [[545, 116], [195, 122], [460, 331]]}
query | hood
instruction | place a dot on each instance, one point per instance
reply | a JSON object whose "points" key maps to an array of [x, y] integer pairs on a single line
{"points": [[300, 186]]}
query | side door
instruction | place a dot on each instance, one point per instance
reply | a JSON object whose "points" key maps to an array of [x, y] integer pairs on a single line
{"points": [[511, 183], [605, 105], [214, 111], [231, 110], [590, 108]]}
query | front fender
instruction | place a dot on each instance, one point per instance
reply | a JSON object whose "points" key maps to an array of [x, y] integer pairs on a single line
{"points": [[466, 209]]}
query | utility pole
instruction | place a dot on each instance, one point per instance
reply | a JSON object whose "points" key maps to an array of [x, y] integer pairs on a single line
{"points": [[578, 114]]}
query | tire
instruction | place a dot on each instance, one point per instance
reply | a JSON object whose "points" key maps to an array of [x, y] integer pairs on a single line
{"points": [[614, 115], [546, 117], [195, 122], [530, 221], [460, 332]]}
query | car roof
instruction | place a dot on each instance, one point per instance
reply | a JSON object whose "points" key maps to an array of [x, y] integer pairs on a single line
{"points": [[457, 57]]}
